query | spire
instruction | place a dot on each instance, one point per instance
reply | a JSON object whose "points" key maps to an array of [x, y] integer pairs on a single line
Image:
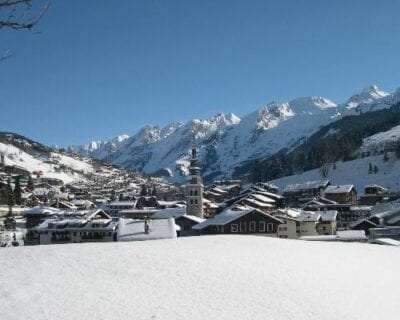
{"points": [[194, 187]]}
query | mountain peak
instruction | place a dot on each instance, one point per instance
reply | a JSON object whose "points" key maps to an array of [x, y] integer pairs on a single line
{"points": [[368, 95], [310, 104]]}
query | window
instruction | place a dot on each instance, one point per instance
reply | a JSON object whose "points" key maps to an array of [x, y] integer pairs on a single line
{"points": [[74, 233], [270, 227], [191, 192], [261, 226], [252, 226], [195, 201], [191, 201], [195, 192], [234, 228], [243, 226]]}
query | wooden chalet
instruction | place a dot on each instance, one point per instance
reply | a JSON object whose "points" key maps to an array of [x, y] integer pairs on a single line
{"points": [[341, 194], [240, 221]]}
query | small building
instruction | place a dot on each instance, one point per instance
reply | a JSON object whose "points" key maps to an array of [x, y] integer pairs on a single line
{"points": [[95, 227], [327, 224], [343, 194], [114, 208], [299, 194]]}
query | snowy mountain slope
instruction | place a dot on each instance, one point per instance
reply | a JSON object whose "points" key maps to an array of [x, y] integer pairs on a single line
{"points": [[18, 151], [227, 142], [378, 142], [353, 172], [208, 277]]}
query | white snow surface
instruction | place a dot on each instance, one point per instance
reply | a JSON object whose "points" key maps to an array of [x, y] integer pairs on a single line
{"points": [[211, 277], [378, 141], [17, 157], [353, 172]]}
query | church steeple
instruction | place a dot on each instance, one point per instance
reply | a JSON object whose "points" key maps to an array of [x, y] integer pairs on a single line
{"points": [[194, 188]]}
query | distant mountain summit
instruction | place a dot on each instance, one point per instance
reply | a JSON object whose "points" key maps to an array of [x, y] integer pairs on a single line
{"points": [[227, 142]]}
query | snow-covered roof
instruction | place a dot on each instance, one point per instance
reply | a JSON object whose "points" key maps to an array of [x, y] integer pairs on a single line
{"points": [[228, 216], [328, 215], [169, 213], [134, 230], [261, 198], [351, 235], [257, 203], [192, 218], [360, 221], [306, 185], [223, 218], [309, 217], [41, 210], [346, 188]]}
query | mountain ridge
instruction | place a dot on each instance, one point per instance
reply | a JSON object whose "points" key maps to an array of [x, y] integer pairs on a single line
{"points": [[226, 141]]}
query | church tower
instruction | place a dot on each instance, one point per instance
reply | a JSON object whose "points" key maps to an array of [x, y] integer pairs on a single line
{"points": [[194, 188]]}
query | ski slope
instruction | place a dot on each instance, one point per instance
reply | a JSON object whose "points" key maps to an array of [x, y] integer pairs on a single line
{"points": [[210, 277], [354, 172]]}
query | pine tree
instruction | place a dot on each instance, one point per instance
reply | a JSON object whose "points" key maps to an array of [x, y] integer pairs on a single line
{"points": [[113, 196], [370, 168], [30, 185], [385, 157], [17, 191], [398, 150], [143, 191], [154, 191], [376, 169], [10, 194]]}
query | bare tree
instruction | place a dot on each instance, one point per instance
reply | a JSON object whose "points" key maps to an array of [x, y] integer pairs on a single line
{"points": [[20, 15], [325, 168]]}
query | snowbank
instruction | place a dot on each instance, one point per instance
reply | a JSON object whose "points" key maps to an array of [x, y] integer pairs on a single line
{"points": [[214, 277]]}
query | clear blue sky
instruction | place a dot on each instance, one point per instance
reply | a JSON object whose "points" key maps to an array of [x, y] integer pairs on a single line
{"points": [[101, 68]]}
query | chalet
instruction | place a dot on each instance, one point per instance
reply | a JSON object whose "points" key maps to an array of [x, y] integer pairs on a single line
{"points": [[64, 205], [114, 208], [344, 194], [298, 223], [327, 224], [239, 221], [210, 208], [303, 224], [297, 194], [363, 224], [34, 216], [374, 194], [346, 213], [96, 227]]}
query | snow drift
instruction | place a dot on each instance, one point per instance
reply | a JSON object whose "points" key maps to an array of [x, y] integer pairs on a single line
{"points": [[214, 277]]}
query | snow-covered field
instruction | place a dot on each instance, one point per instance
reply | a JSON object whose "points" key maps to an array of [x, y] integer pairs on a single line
{"points": [[214, 277], [354, 172]]}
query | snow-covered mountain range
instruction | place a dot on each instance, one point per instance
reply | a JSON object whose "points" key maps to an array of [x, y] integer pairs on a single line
{"points": [[226, 141]]}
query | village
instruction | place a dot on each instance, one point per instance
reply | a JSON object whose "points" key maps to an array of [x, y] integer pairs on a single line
{"points": [[123, 206]]}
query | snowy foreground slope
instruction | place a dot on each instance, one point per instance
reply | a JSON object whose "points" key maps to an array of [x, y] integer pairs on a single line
{"points": [[215, 277], [354, 172]]}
